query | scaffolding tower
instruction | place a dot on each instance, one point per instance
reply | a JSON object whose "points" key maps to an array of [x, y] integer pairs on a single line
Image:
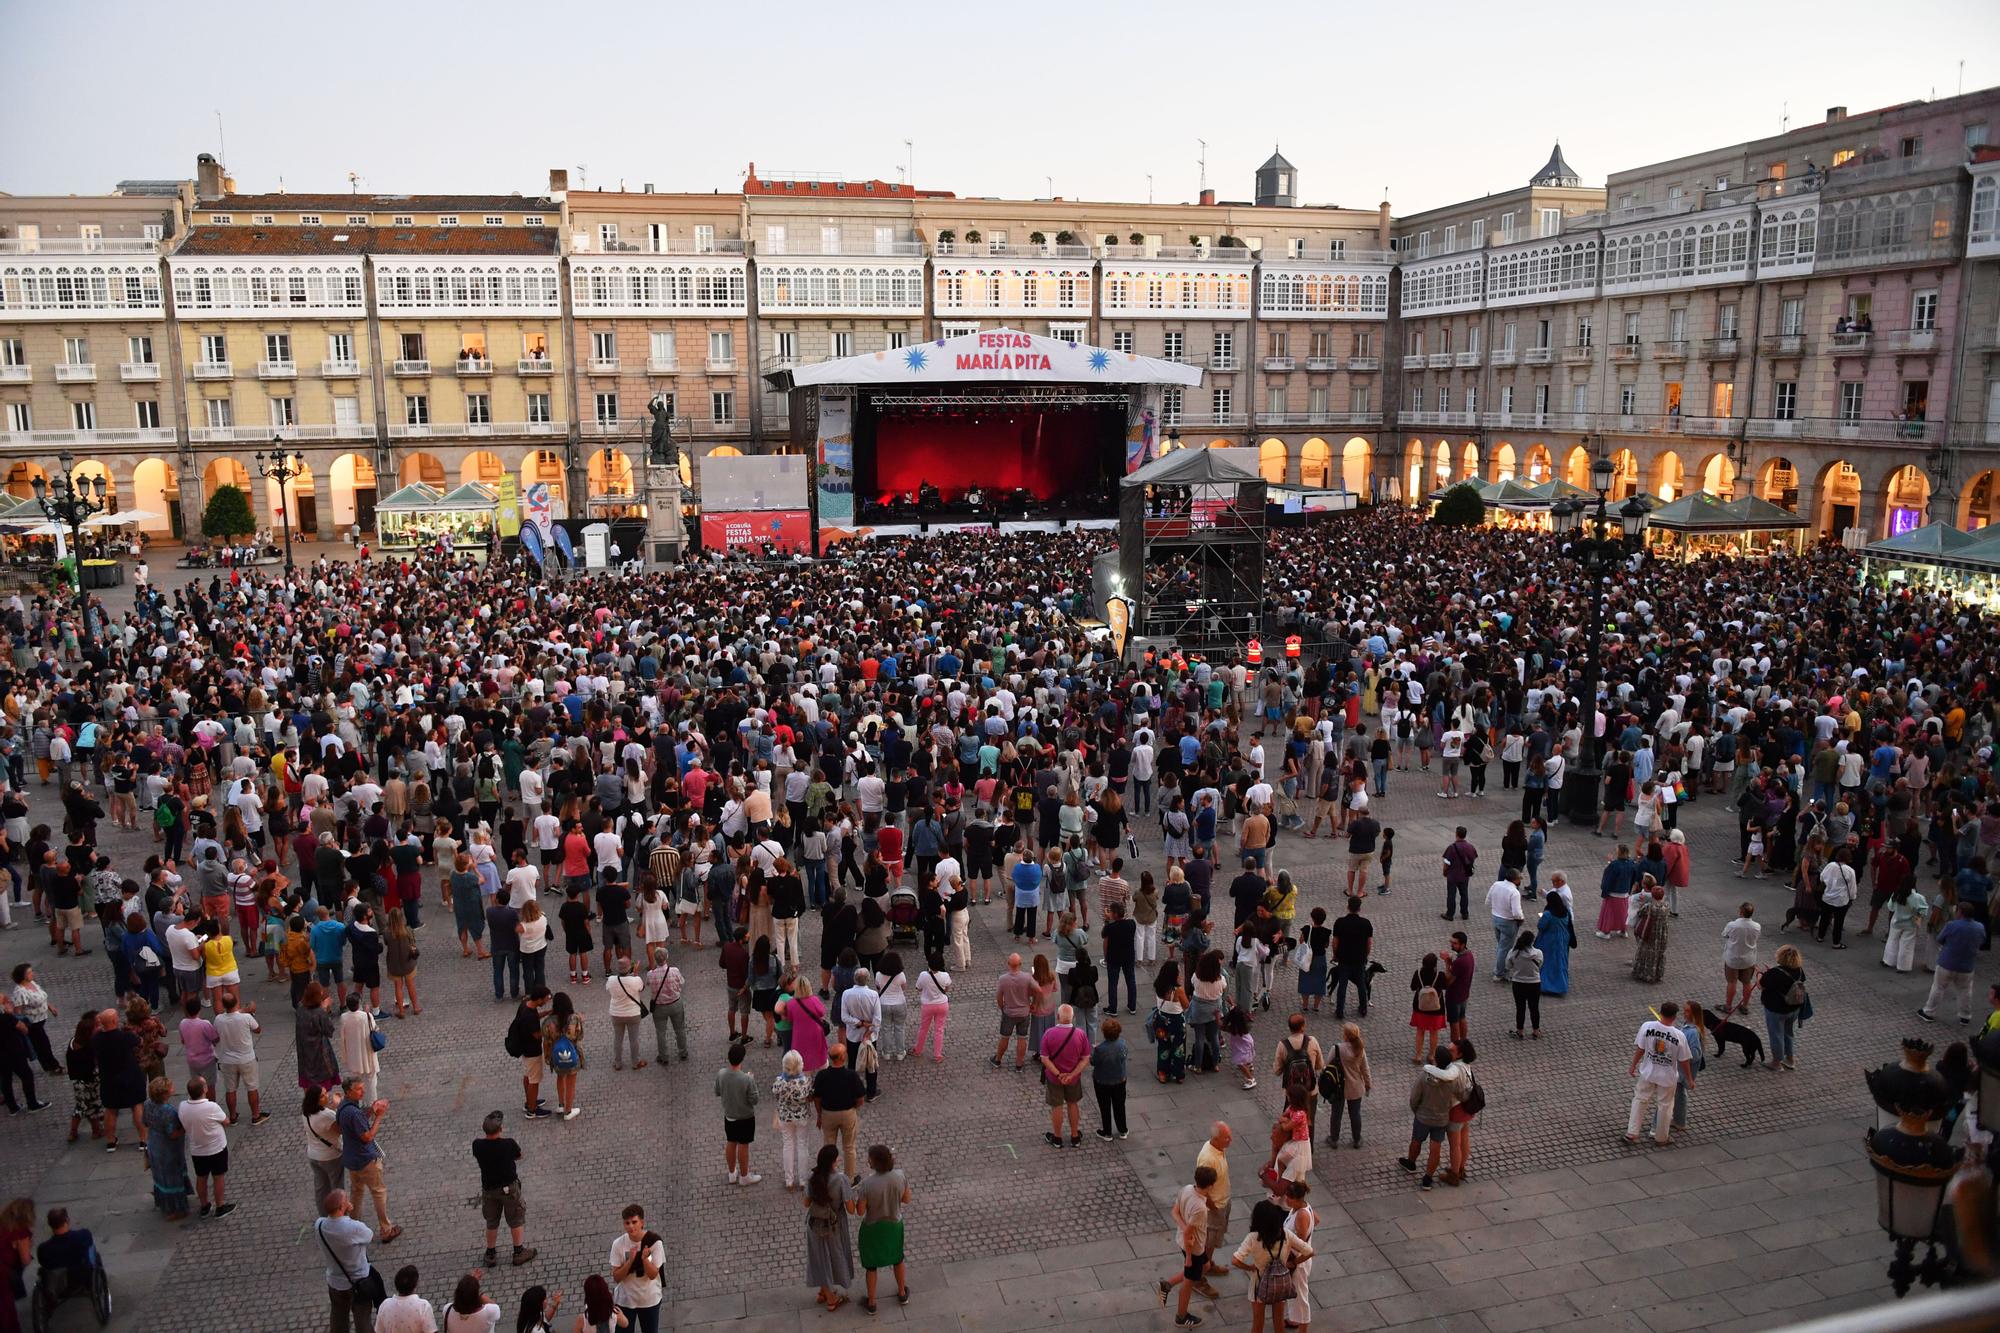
{"points": [[1191, 533]]}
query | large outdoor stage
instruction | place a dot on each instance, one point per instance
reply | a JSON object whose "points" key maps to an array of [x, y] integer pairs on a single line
{"points": [[997, 427]]}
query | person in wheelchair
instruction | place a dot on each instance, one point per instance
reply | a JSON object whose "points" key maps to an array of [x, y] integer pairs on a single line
{"points": [[68, 1250]]}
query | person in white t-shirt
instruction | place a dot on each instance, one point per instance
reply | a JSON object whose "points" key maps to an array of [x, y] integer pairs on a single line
{"points": [[637, 1257], [207, 1128], [406, 1312], [1451, 748], [1660, 1061], [236, 1032]]}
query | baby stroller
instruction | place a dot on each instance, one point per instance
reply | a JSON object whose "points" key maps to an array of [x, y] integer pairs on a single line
{"points": [[903, 915]]}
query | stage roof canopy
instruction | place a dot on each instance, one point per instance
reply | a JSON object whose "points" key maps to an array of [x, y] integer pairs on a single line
{"points": [[989, 356], [1190, 467]]}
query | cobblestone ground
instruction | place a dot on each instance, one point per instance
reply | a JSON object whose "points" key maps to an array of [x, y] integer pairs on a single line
{"points": [[1763, 1213]]}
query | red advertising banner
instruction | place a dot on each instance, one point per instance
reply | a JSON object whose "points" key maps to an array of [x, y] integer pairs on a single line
{"points": [[785, 529]]}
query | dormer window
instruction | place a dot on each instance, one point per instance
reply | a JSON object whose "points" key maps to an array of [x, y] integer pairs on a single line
{"points": [[447, 219]]}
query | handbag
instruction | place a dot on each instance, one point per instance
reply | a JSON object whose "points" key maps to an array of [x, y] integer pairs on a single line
{"points": [[368, 1288], [378, 1040]]}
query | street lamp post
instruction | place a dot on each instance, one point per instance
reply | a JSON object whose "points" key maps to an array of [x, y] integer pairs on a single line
{"points": [[282, 466], [1588, 536], [67, 500]]}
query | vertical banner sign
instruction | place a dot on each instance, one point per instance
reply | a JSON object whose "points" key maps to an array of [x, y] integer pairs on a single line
{"points": [[1118, 615], [541, 511], [1142, 421], [510, 505], [833, 456]]}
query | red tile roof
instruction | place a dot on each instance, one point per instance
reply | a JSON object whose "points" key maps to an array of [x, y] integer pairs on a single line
{"points": [[254, 240]]}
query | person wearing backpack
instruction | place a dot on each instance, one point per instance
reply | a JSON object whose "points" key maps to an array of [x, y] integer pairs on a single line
{"points": [[1271, 1253], [1298, 1067], [562, 1049]]}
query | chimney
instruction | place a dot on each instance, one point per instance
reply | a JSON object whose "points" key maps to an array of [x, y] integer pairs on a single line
{"points": [[208, 179], [648, 187], [1208, 198], [1382, 221], [1835, 114], [558, 180]]}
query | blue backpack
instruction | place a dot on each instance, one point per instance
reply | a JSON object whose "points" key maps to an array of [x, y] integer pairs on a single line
{"points": [[564, 1057]]}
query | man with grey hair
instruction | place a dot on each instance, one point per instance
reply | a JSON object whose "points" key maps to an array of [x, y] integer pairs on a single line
{"points": [[352, 1288], [206, 1126], [861, 1017], [1065, 1055]]}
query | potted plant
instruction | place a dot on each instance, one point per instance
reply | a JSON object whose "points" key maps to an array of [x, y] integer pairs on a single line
{"points": [[1036, 238], [947, 236], [1195, 242], [1065, 238], [1229, 243], [1111, 238], [972, 236], [1136, 238]]}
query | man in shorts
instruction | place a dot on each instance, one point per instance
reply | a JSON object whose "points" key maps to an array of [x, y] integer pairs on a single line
{"points": [[1065, 1054], [1431, 1100], [1739, 957], [207, 1128], [500, 1188], [524, 1043], [1015, 993], [1191, 1224], [236, 1050]]}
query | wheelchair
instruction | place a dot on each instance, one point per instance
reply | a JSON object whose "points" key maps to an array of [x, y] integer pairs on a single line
{"points": [[52, 1289]]}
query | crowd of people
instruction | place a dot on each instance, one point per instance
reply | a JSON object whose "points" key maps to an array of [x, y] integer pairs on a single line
{"points": [[840, 757]]}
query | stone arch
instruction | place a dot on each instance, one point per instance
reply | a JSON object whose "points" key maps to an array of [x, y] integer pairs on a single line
{"points": [[1316, 463], [225, 471], [21, 474], [1441, 466], [544, 467], [1413, 472], [156, 486], [299, 498], [1274, 461], [1624, 473], [1906, 500], [1468, 464], [1778, 482], [1576, 466], [610, 473], [420, 466], [1539, 465], [482, 465], [1979, 501], [1357, 464], [1838, 497], [353, 489], [1502, 458], [1718, 475], [1669, 475]]}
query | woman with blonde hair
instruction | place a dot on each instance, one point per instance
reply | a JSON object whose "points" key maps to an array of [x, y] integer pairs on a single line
{"points": [[534, 932], [400, 955], [792, 1092], [1357, 1081]]}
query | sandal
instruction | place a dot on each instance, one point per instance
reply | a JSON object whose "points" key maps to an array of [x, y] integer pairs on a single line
{"points": [[903, 1296], [835, 1304]]}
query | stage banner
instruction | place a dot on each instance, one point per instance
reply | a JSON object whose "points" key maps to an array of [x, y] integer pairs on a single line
{"points": [[833, 456], [510, 505], [1142, 423], [785, 529], [541, 511]]}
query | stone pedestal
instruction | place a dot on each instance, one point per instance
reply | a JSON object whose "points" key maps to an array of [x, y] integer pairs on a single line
{"points": [[666, 535]]}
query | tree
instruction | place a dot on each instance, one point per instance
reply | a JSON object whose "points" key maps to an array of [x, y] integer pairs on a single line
{"points": [[1136, 238], [228, 514], [972, 237], [1461, 507], [1065, 238], [1111, 239], [1036, 238], [947, 236]]}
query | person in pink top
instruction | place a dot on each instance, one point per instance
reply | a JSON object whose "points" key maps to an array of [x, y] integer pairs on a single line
{"points": [[808, 1019], [1675, 853]]}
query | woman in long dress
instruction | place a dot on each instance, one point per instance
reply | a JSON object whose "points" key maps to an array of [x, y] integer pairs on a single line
{"points": [[358, 1057], [1650, 928], [1555, 936], [829, 1248], [319, 1065], [166, 1150], [1299, 1224]]}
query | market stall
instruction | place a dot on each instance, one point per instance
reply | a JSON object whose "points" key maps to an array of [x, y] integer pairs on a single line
{"points": [[1700, 524], [421, 516]]}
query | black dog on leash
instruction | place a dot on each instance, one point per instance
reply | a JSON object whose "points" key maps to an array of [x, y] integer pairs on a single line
{"points": [[1725, 1032]]}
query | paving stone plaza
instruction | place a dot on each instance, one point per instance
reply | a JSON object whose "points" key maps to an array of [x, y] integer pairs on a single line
{"points": [[1761, 1214]]}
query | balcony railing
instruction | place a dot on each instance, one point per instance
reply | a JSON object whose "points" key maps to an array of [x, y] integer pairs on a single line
{"points": [[133, 371], [277, 370], [1438, 360], [339, 370], [1632, 423], [1504, 356], [1538, 356], [1465, 360], [1413, 361], [1328, 418], [1850, 344], [1579, 421], [1215, 419], [1703, 425], [1280, 362], [1783, 344], [536, 365], [1721, 349], [411, 366], [1670, 349], [473, 429], [656, 366], [77, 245], [76, 372], [1322, 363], [126, 435], [1233, 254], [238, 434], [604, 365], [474, 365], [16, 374], [1834, 428], [1578, 354], [1910, 340], [984, 249], [721, 365], [214, 370], [806, 247], [1624, 352], [1363, 364], [1220, 361]]}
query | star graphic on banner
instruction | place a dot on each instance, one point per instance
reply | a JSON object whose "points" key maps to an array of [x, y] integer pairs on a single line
{"points": [[1099, 359], [915, 358]]}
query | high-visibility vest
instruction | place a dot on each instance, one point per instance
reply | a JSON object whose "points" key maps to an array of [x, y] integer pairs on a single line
{"points": [[1292, 645], [1256, 652]]}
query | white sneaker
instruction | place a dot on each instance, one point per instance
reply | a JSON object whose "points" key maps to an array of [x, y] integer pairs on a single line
{"points": [[573, 1113], [732, 1177], [749, 1179]]}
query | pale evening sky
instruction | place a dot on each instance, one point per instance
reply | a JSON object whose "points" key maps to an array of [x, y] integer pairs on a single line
{"points": [[1435, 101]]}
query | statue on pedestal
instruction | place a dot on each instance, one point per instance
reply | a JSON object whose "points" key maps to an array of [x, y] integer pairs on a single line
{"points": [[661, 451]]}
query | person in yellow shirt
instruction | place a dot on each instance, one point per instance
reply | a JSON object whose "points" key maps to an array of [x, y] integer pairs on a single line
{"points": [[1214, 1154], [218, 955], [297, 956], [1992, 1023]]}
